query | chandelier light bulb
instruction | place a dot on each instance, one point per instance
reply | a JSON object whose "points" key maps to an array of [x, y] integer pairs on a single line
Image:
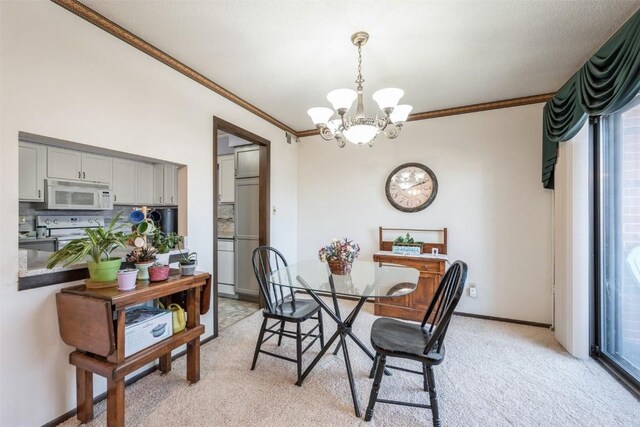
{"points": [[361, 134], [400, 114], [388, 98], [320, 115], [341, 99]]}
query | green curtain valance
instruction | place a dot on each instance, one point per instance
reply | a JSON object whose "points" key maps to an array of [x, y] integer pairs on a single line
{"points": [[603, 85]]}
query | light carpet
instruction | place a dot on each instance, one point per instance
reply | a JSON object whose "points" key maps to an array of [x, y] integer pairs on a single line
{"points": [[494, 374]]}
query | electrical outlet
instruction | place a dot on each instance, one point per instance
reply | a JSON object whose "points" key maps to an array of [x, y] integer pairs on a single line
{"points": [[473, 291]]}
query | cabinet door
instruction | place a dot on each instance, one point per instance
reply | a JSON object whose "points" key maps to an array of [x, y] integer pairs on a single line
{"points": [[422, 296], [32, 170], [96, 168], [144, 183], [245, 280], [247, 162], [124, 182], [226, 179], [63, 163], [247, 208], [170, 185], [158, 184], [225, 267]]}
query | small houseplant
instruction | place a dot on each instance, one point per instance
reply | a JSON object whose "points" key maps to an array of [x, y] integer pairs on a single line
{"points": [[142, 258], [340, 254], [406, 245], [158, 272], [164, 242], [188, 263], [97, 245]]}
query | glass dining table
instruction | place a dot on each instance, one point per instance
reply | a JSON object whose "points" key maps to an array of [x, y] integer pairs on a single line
{"points": [[367, 280]]}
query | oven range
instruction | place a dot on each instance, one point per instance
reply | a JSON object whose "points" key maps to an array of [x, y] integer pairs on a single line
{"points": [[66, 228]]}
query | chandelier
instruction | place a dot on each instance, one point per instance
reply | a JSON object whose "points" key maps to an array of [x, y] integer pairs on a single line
{"points": [[360, 129]]}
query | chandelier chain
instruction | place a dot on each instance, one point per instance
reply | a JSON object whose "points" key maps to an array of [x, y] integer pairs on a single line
{"points": [[360, 80]]}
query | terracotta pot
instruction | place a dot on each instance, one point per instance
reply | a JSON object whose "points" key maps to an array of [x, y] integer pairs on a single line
{"points": [[339, 267], [158, 274]]}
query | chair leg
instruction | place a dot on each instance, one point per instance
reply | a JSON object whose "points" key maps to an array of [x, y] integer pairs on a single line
{"points": [[433, 396], [259, 343], [375, 388], [425, 384], [299, 352], [281, 329], [321, 328], [376, 360]]}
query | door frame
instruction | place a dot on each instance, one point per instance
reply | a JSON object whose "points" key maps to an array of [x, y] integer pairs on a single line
{"points": [[264, 195]]}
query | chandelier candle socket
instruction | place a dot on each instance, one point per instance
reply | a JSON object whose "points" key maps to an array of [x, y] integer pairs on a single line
{"points": [[359, 129]]}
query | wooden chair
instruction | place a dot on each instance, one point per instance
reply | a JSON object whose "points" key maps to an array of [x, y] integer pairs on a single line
{"points": [[423, 343], [283, 307]]}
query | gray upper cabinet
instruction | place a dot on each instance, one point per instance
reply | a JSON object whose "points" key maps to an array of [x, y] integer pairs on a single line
{"points": [[158, 184], [32, 171], [145, 183], [69, 164], [124, 182], [247, 161], [170, 181], [63, 163], [226, 174]]}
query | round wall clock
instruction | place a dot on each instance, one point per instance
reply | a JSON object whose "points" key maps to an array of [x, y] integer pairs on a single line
{"points": [[411, 187]]}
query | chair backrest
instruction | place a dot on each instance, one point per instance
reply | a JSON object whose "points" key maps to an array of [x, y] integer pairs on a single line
{"points": [[265, 260], [443, 304]]}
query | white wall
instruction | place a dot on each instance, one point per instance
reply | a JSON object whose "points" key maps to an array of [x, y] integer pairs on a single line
{"points": [[572, 242], [64, 78], [490, 198]]}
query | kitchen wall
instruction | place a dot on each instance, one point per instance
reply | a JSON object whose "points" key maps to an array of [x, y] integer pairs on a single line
{"points": [[490, 198], [64, 78]]}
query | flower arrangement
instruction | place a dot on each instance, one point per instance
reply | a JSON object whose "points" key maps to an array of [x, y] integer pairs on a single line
{"points": [[340, 254]]}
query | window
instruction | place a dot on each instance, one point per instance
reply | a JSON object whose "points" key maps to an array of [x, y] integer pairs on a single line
{"points": [[617, 241]]}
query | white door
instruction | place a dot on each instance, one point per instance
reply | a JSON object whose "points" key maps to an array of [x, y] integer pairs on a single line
{"points": [[96, 168], [170, 185], [32, 170], [158, 184], [124, 182], [226, 176], [63, 163], [144, 186]]}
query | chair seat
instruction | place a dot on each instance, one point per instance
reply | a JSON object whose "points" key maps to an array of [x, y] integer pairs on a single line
{"points": [[293, 311], [395, 338]]}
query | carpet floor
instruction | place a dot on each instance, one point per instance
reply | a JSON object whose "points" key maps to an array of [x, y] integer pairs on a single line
{"points": [[495, 374]]}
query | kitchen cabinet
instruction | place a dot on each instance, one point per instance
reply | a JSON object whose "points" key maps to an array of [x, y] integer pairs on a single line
{"points": [[144, 183], [247, 161], [75, 165], [124, 182], [247, 224], [158, 184], [170, 182], [32, 171], [226, 173], [226, 266]]}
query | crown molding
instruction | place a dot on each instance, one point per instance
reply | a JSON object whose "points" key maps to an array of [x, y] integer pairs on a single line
{"points": [[465, 109], [126, 36]]}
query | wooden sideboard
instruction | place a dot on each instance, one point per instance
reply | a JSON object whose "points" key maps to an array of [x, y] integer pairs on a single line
{"points": [[93, 321], [432, 267]]}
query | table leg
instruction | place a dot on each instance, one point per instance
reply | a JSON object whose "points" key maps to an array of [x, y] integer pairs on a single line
{"points": [[193, 347], [352, 384], [84, 395], [115, 402], [164, 363], [318, 357]]}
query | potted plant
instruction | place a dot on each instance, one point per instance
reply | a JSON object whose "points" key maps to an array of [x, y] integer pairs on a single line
{"points": [[158, 272], [406, 245], [97, 245], [164, 243], [142, 258], [127, 279], [340, 254], [188, 263]]}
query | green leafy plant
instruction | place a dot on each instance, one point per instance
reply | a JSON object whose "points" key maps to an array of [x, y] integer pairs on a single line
{"points": [[407, 239], [97, 245], [188, 259], [141, 255], [165, 242]]}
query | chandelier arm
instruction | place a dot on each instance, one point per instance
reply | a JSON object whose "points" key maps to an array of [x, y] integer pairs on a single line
{"points": [[326, 133], [392, 131]]}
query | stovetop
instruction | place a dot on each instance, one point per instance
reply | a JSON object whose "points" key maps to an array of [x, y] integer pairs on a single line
{"points": [[53, 222]]}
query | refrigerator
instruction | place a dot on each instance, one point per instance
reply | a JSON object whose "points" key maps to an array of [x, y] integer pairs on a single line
{"points": [[247, 212]]}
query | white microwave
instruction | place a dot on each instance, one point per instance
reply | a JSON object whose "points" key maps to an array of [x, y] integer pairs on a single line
{"points": [[73, 195]]}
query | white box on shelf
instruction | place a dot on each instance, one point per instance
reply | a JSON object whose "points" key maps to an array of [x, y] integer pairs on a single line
{"points": [[145, 326]]}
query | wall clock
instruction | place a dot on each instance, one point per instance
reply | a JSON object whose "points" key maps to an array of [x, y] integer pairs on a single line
{"points": [[411, 187]]}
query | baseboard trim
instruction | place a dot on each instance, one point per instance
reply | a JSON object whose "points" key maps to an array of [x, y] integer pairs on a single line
{"points": [[67, 415], [503, 319]]}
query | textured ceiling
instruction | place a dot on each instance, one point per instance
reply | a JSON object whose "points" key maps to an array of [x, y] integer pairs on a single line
{"points": [[284, 56]]}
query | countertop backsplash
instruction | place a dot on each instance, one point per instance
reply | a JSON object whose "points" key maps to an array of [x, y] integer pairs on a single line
{"points": [[226, 220]]}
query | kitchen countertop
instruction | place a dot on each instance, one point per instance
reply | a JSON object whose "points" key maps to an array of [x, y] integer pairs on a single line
{"points": [[225, 236], [35, 239], [34, 262]]}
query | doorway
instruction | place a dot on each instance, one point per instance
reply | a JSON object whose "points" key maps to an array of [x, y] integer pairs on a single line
{"points": [[241, 219]]}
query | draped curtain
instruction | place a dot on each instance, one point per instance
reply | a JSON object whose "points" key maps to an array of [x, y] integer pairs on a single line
{"points": [[605, 84]]}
